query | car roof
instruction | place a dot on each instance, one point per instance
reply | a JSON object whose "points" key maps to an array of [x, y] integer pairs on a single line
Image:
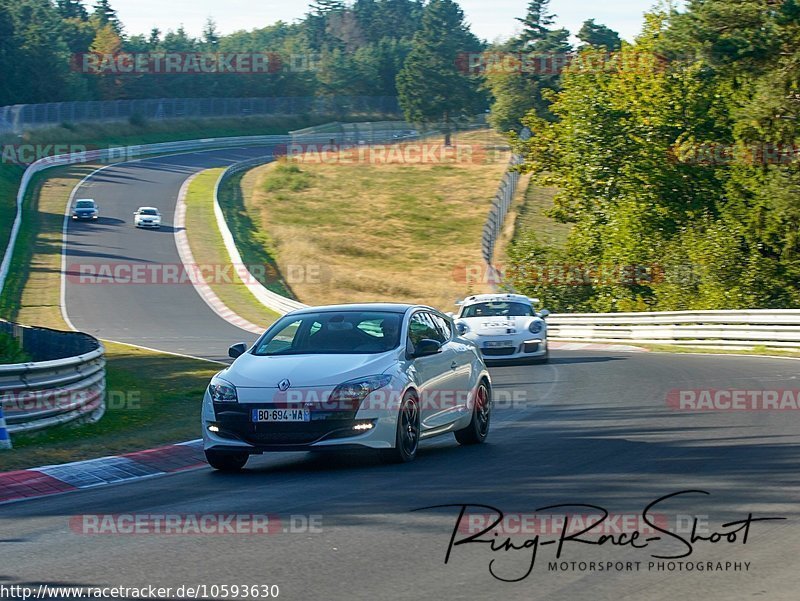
{"points": [[84, 200], [497, 298], [384, 307], [146, 209]]}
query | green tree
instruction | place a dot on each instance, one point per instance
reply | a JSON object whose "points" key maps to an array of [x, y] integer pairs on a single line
{"points": [[431, 86], [598, 36]]}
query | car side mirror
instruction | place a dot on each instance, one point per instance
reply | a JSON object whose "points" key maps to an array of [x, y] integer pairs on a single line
{"points": [[461, 329], [544, 313], [427, 347], [237, 350]]}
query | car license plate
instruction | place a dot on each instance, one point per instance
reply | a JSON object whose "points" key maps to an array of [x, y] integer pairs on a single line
{"points": [[281, 415], [498, 344]]}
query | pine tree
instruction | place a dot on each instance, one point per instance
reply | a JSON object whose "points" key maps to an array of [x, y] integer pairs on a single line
{"points": [[536, 21], [104, 14], [598, 36], [72, 9], [431, 87]]}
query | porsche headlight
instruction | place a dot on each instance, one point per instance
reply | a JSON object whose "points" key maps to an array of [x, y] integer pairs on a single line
{"points": [[222, 391], [536, 327]]}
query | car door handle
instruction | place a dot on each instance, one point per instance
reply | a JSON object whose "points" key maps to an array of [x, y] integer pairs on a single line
{"points": [[453, 365]]}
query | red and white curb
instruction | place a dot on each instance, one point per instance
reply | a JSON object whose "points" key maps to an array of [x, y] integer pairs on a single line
{"points": [[56, 479], [594, 346], [187, 258]]}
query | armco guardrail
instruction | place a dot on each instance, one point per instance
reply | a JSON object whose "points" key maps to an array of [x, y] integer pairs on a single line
{"points": [[126, 153], [499, 211], [770, 328], [66, 381]]}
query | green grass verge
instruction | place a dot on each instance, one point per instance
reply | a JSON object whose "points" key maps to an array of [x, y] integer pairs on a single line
{"points": [[532, 215], [10, 350], [758, 351], [142, 413], [208, 248], [10, 176]]}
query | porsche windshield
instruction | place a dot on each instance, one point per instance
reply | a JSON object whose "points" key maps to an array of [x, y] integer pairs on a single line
{"points": [[497, 310], [332, 332]]}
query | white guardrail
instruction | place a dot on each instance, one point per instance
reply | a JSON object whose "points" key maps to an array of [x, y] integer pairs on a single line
{"points": [[770, 328], [67, 383]]}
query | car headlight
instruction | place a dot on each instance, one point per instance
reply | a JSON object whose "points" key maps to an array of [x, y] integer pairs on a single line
{"points": [[222, 391], [353, 392], [535, 327]]}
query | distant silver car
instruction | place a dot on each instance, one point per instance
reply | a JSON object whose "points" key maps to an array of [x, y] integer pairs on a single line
{"points": [[371, 376], [147, 217], [506, 327], [85, 209]]}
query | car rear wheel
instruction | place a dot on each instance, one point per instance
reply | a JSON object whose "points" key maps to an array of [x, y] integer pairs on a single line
{"points": [[478, 429], [226, 461], [407, 437]]}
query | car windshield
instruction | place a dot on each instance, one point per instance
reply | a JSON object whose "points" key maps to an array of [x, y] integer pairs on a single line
{"points": [[497, 310], [148, 212], [84, 204], [332, 332]]}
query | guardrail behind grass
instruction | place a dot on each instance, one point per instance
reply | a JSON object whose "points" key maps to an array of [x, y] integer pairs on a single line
{"points": [[65, 382], [768, 328]]}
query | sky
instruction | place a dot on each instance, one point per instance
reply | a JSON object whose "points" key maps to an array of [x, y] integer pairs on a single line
{"points": [[490, 19]]}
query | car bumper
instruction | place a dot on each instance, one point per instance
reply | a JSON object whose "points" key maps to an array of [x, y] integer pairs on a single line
{"points": [[327, 430], [149, 225], [84, 217], [523, 349]]}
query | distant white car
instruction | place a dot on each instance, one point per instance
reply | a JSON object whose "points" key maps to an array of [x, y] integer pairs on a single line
{"points": [[147, 217], [506, 327]]}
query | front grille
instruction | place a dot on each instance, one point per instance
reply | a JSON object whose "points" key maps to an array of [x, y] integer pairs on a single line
{"points": [[531, 347], [235, 419], [499, 352]]}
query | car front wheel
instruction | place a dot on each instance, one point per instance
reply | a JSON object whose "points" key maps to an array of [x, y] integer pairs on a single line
{"points": [[478, 429], [407, 436], [226, 461]]}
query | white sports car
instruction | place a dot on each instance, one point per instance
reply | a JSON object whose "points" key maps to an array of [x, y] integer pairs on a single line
{"points": [[506, 327], [147, 217], [372, 376]]}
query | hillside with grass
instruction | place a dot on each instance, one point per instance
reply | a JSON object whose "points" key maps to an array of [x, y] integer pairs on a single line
{"points": [[353, 230]]}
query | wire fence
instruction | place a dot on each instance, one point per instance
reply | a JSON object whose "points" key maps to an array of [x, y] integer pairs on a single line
{"points": [[499, 211], [21, 117]]}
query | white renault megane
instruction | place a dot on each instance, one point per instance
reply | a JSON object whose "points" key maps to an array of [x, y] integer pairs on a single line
{"points": [[371, 376]]}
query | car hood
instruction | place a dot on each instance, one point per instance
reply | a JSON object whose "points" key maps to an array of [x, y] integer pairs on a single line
{"points": [[497, 326], [149, 217], [251, 371]]}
